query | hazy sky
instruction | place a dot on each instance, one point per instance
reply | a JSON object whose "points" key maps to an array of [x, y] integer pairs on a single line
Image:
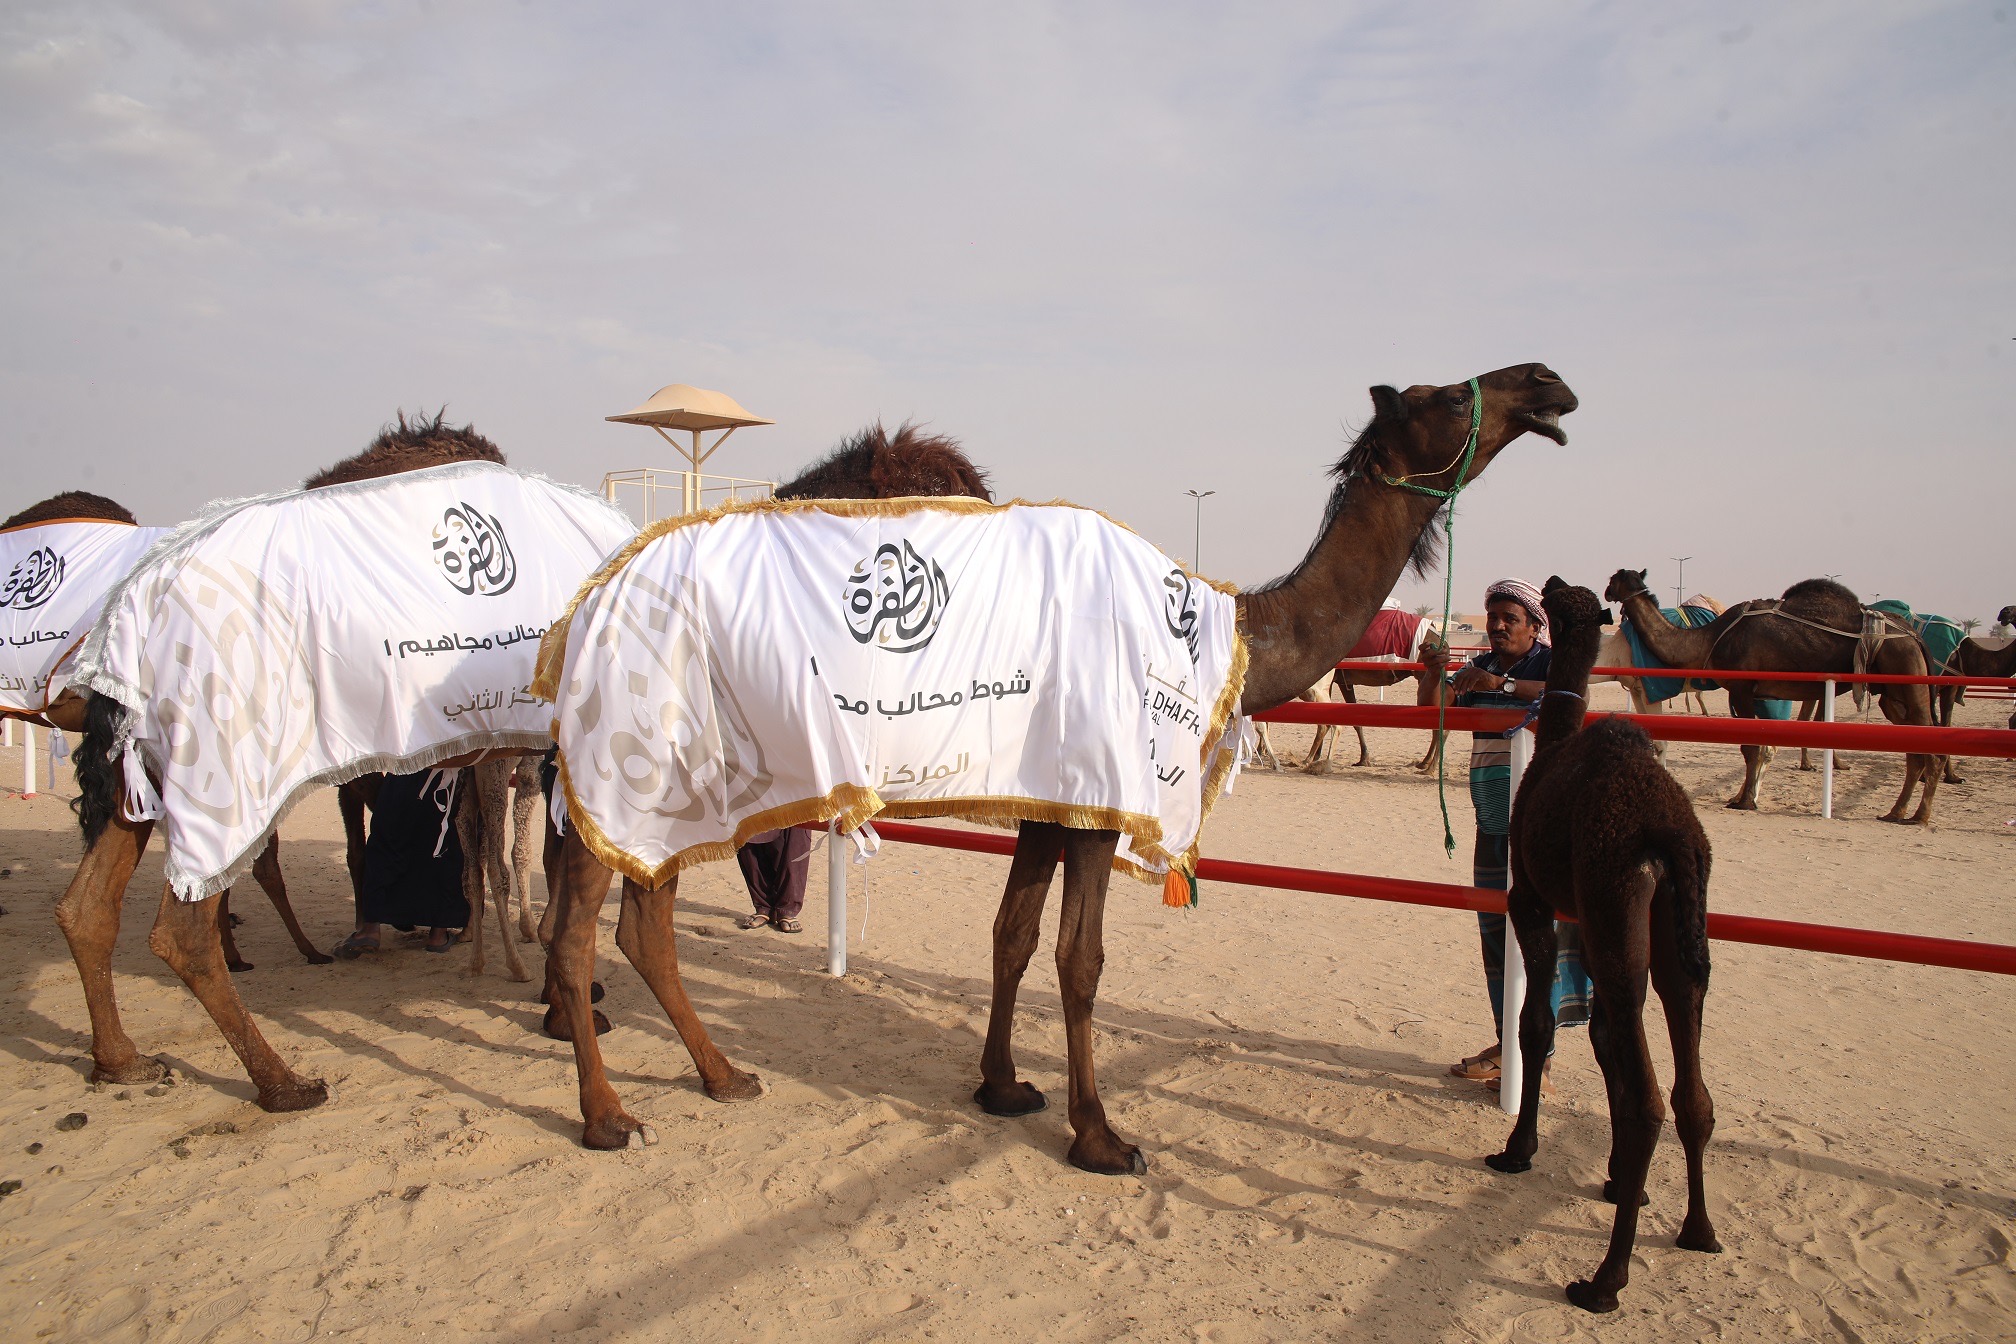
{"points": [[1120, 250]]}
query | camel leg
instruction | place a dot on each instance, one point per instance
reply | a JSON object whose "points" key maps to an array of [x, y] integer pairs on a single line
{"points": [[1622, 947], [1635, 688], [493, 787], [266, 872], [1017, 925], [1942, 715], [88, 914], [1744, 706], [550, 860], [469, 834], [1081, 956], [350, 802], [1807, 713], [647, 938], [1534, 924], [1693, 1109], [1263, 747], [1919, 770], [185, 936], [580, 885], [1351, 698], [233, 962], [524, 803], [1317, 762]]}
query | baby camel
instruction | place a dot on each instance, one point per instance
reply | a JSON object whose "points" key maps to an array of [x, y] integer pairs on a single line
{"points": [[1602, 834]]}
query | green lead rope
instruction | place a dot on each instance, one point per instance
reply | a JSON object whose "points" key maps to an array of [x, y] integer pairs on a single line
{"points": [[1448, 593]]}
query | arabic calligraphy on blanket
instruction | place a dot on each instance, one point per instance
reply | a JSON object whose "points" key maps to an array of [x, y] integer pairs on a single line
{"points": [[303, 638], [54, 578], [784, 663]]}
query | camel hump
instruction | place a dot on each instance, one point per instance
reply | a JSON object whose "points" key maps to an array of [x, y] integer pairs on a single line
{"points": [[1818, 591], [71, 504]]}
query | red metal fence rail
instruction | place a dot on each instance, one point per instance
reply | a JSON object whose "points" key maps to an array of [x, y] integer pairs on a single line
{"points": [[1995, 958], [1717, 674]]}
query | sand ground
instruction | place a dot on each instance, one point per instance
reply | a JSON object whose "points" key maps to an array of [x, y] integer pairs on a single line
{"points": [[1279, 1057]]}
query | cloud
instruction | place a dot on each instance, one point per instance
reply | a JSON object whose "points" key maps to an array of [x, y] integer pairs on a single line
{"points": [[1122, 250]]}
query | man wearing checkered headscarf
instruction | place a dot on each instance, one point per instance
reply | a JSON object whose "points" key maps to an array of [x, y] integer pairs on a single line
{"points": [[1512, 672]]}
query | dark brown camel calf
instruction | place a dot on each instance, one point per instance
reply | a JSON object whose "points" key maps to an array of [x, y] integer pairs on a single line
{"points": [[1603, 835]]}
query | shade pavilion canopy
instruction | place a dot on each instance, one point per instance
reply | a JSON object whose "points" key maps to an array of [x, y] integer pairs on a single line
{"points": [[682, 407]]}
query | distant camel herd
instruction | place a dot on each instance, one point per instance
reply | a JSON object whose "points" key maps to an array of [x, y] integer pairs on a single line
{"points": [[1637, 882]]}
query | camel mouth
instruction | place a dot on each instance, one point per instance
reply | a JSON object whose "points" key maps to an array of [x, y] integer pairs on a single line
{"points": [[1546, 423]]}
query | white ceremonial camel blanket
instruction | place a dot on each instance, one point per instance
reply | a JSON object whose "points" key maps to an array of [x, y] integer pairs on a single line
{"points": [[279, 644], [779, 663], [56, 578]]}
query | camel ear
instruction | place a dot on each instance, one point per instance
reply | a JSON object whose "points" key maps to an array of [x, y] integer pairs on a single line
{"points": [[1641, 575], [1554, 584], [1388, 404]]}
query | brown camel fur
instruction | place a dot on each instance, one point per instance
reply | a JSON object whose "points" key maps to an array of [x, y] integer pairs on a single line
{"points": [[1296, 629], [191, 936], [1781, 636], [1603, 835], [1976, 658]]}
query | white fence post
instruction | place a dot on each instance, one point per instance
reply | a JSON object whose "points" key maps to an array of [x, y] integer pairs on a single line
{"points": [[1510, 1065], [7, 734], [1827, 756], [28, 760], [836, 902]]}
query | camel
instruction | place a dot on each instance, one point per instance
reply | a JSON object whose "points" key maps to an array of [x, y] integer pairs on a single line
{"points": [[1976, 657], [1815, 627], [1421, 446], [187, 934], [70, 709], [1603, 835]]}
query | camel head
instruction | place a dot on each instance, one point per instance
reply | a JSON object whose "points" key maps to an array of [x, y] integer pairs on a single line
{"points": [[71, 504], [409, 446], [1624, 584], [2007, 616], [1573, 613], [1420, 433]]}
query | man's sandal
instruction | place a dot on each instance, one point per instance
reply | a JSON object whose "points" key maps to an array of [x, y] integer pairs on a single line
{"points": [[355, 946], [787, 925], [752, 921], [1479, 1068]]}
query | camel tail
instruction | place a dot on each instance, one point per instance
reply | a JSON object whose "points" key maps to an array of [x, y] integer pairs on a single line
{"points": [[99, 780], [1687, 860]]}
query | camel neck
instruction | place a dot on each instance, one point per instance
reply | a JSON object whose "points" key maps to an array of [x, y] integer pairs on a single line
{"points": [[1297, 629], [1672, 645], [1566, 702]]}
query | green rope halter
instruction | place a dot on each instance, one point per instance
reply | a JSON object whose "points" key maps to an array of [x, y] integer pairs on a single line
{"points": [[1448, 588]]}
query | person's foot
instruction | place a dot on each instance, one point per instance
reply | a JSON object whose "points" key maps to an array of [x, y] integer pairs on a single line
{"points": [[787, 925], [355, 946], [1481, 1067], [752, 921], [440, 940]]}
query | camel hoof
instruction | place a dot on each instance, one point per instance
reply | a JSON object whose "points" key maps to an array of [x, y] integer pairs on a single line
{"points": [[519, 975], [239, 967], [1016, 1099], [131, 1075], [304, 1095], [642, 1137], [595, 992], [1736, 805], [1127, 1160], [317, 958], [739, 1087], [1584, 1294], [1700, 1239], [1506, 1163], [613, 1132], [468, 935], [555, 1024], [1610, 1195], [527, 934]]}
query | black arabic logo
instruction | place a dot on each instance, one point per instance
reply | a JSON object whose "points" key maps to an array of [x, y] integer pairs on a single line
{"points": [[472, 552], [1179, 609], [896, 599], [33, 581]]}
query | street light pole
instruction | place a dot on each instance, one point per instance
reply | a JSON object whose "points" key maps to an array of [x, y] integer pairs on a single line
{"points": [[1197, 532], [1680, 587]]}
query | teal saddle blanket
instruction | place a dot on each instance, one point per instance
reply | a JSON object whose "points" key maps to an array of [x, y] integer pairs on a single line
{"points": [[1942, 637], [1661, 689]]}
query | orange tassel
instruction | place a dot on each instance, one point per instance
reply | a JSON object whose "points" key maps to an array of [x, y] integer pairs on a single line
{"points": [[1179, 891]]}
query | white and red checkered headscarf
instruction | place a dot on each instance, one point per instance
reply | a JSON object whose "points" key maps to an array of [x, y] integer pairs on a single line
{"points": [[1526, 595]]}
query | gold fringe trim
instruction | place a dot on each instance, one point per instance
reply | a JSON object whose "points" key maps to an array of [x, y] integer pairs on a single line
{"points": [[553, 648]]}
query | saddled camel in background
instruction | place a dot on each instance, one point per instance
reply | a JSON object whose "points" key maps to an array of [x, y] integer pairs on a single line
{"points": [[71, 708], [1814, 627], [187, 934], [1296, 628]]}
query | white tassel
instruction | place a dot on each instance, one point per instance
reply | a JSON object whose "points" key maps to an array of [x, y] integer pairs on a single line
{"points": [[866, 842], [433, 785], [556, 808], [142, 801]]}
